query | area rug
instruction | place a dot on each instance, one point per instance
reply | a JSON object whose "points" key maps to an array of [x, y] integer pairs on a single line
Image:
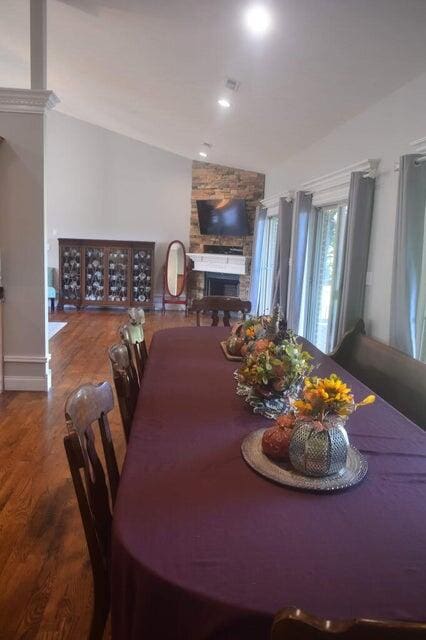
{"points": [[54, 328]]}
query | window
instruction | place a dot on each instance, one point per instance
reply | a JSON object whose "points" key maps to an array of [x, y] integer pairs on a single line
{"points": [[323, 275], [268, 263]]}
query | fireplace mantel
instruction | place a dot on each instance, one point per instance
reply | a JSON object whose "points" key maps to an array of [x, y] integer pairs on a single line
{"points": [[219, 263]]}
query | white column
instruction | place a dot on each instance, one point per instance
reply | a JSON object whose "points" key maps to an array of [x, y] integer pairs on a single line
{"points": [[22, 238], [38, 44]]}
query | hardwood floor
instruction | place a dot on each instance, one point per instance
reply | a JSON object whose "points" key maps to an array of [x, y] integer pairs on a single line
{"points": [[45, 578]]}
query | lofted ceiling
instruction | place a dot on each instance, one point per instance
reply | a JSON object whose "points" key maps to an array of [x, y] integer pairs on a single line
{"points": [[154, 69]]}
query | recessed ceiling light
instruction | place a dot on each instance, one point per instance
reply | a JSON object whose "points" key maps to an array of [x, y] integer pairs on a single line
{"points": [[203, 154], [224, 103], [258, 19]]}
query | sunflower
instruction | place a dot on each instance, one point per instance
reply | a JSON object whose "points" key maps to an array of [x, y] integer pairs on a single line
{"points": [[324, 396]]}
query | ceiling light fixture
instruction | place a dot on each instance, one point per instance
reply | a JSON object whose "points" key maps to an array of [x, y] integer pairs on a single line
{"points": [[258, 19], [224, 103], [203, 154]]}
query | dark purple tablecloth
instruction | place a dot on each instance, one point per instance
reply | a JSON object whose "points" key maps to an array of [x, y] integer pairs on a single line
{"points": [[205, 548]]}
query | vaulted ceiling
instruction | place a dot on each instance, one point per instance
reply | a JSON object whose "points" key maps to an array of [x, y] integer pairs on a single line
{"points": [[154, 69]]}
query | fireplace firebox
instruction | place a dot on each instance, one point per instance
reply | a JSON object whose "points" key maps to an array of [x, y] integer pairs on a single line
{"points": [[221, 284]]}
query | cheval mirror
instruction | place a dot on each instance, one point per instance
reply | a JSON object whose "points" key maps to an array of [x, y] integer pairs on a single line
{"points": [[175, 277]]}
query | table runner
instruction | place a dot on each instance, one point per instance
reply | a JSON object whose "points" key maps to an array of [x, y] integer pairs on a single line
{"points": [[204, 548]]}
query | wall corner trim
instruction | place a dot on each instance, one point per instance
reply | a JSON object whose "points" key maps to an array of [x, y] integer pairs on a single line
{"points": [[26, 100]]}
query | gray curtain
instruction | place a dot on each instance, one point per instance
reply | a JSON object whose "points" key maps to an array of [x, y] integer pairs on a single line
{"points": [[259, 230], [409, 239], [285, 219], [360, 213], [301, 212]]}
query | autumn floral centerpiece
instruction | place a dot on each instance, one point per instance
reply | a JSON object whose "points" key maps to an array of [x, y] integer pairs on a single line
{"points": [[319, 441], [245, 334], [273, 371]]}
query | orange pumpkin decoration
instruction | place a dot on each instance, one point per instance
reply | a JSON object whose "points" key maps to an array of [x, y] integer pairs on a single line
{"points": [[276, 439]]}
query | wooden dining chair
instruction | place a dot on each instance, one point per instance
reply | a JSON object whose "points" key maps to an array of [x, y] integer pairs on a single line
{"points": [[85, 406], [132, 335], [393, 375], [294, 624], [125, 382], [215, 304]]}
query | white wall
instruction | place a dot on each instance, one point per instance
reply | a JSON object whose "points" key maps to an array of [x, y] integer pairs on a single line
{"points": [[105, 185], [383, 131], [22, 248]]}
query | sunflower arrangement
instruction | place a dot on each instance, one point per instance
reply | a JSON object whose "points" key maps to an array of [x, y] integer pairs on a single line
{"points": [[270, 369], [324, 397]]}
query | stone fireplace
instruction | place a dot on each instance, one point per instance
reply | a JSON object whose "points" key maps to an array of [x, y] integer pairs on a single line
{"points": [[222, 266], [222, 263]]}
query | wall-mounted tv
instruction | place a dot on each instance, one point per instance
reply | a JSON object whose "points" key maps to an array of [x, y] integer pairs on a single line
{"points": [[223, 217]]}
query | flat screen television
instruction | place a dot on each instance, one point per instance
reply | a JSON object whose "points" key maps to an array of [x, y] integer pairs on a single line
{"points": [[223, 217]]}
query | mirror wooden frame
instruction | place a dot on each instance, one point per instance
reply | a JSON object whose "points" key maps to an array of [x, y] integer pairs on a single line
{"points": [[182, 296]]}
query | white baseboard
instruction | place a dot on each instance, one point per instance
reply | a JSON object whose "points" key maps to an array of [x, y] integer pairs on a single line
{"points": [[28, 383]]}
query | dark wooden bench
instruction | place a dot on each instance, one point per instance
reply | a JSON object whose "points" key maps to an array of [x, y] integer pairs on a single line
{"points": [[226, 304], [393, 375]]}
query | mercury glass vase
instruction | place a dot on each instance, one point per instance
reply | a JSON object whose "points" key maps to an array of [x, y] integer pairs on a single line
{"points": [[319, 452]]}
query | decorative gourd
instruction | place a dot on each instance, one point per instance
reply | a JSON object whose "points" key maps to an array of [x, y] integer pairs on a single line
{"points": [[234, 344], [319, 449], [276, 439]]}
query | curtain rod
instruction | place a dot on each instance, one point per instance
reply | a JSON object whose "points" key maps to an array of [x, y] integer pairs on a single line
{"points": [[416, 162]]}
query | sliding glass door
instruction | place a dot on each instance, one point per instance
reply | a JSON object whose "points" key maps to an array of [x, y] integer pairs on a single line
{"points": [[323, 275], [267, 280]]}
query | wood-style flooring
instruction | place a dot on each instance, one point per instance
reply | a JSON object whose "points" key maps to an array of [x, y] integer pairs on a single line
{"points": [[45, 578]]}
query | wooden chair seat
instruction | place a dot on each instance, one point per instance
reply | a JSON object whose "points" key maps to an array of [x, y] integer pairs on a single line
{"points": [[126, 384], [295, 624], [216, 304], [393, 375], [87, 405]]}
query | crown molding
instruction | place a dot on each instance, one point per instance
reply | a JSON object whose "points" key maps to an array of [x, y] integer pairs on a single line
{"points": [[419, 146], [274, 200], [334, 187], [26, 100]]}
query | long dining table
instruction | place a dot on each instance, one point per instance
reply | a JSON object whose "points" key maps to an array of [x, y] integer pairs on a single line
{"points": [[205, 548]]}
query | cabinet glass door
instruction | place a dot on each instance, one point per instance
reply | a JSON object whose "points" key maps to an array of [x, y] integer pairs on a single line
{"points": [[118, 274], [71, 274], [95, 274], [141, 275]]}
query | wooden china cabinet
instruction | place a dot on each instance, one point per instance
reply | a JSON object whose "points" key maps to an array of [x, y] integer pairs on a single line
{"points": [[106, 273]]}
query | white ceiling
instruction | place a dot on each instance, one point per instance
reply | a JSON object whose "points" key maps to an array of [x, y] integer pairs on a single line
{"points": [[153, 69]]}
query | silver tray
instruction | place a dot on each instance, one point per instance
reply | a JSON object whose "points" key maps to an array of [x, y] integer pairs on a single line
{"points": [[283, 473]]}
